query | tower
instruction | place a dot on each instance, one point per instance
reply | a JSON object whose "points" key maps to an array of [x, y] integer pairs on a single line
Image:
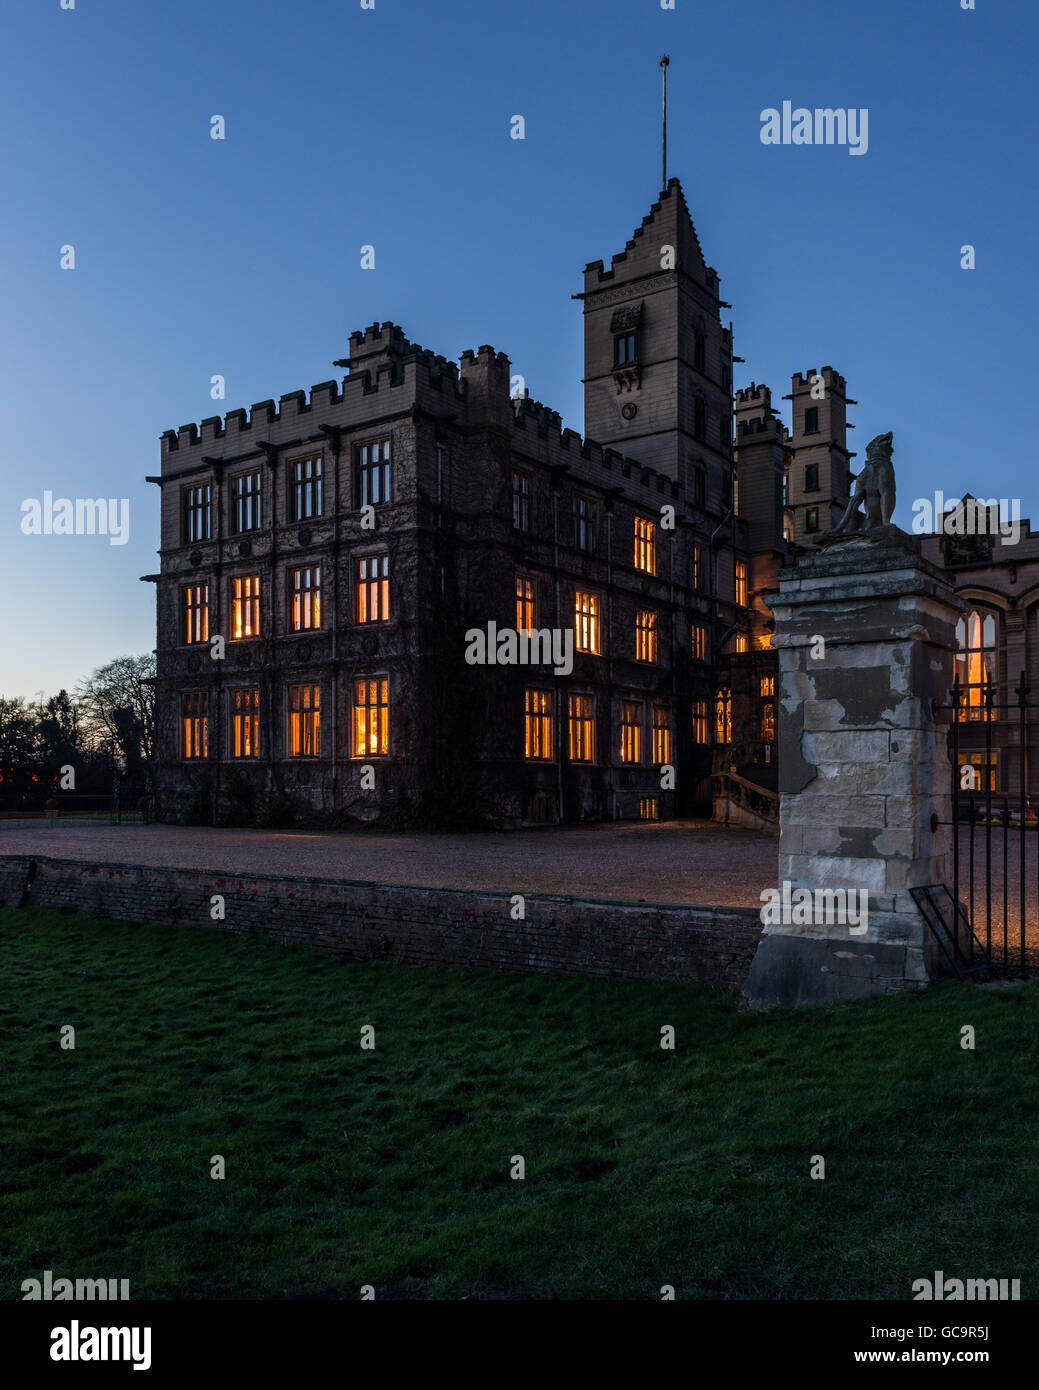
{"points": [[657, 358], [819, 477]]}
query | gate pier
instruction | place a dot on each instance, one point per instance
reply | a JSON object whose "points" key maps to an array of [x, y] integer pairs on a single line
{"points": [[865, 630]]}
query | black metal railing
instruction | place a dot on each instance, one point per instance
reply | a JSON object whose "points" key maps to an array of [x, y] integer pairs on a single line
{"points": [[992, 921]]}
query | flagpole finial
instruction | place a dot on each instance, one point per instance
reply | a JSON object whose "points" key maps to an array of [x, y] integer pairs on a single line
{"points": [[665, 62]]}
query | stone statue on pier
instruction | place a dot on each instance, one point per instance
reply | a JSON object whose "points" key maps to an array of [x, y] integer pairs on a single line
{"points": [[874, 488]]}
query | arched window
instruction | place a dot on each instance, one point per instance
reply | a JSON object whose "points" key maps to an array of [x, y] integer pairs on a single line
{"points": [[976, 664], [699, 417], [723, 716]]}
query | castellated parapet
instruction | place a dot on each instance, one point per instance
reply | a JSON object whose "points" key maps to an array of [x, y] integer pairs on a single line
{"points": [[401, 376]]}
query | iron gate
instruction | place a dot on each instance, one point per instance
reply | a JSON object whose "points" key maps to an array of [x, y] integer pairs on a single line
{"points": [[987, 920]]}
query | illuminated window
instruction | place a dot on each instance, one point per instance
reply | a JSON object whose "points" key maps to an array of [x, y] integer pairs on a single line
{"points": [[812, 520], [537, 732], [700, 721], [373, 589], [649, 808], [631, 731], [645, 545], [582, 729], [645, 635], [245, 606], [372, 463], [661, 734], [194, 724], [739, 642], [584, 518], [525, 594], [699, 642], [586, 622], [195, 601], [768, 722], [306, 598], [306, 495], [697, 575], [371, 717], [982, 776], [741, 583], [976, 666], [245, 502], [304, 721], [245, 723], [197, 514], [520, 501], [768, 686], [723, 716]]}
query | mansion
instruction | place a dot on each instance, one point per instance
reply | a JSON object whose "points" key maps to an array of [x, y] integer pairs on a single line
{"points": [[323, 559]]}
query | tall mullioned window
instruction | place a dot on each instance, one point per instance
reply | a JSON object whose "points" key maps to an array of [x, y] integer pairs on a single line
{"points": [[696, 575], [537, 725], [768, 722], [584, 518], [307, 497], [586, 622], [304, 721], [976, 666], [582, 728], [645, 635], [194, 724], [306, 598], [245, 723], [661, 734], [195, 610], [741, 583], [525, 603], [701, 732], [371, 717], [623, 349], [197, 513], [521, 488], [245, 606], [631, 731], [723, 716], [373, 589], [245, 502], [373, 473], [699, 643], [645, 545]]}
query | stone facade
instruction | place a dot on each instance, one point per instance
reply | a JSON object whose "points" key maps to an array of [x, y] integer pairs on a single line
{"points": [[483, 492]]}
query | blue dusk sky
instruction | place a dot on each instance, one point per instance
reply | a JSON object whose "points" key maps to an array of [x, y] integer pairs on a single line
{"points": [[390, 127]]}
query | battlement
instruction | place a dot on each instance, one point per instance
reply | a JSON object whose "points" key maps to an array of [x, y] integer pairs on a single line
{"points": [[524, 408], [802, 381], [416, 369], [762, 425], [379, 337], [754, 395], [484, 354]]}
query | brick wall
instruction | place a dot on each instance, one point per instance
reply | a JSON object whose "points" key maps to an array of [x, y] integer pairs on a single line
{"points": [[420, 926]]}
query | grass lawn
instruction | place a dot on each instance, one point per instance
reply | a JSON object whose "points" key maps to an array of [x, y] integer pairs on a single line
{"points": [[391, 1167]]}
